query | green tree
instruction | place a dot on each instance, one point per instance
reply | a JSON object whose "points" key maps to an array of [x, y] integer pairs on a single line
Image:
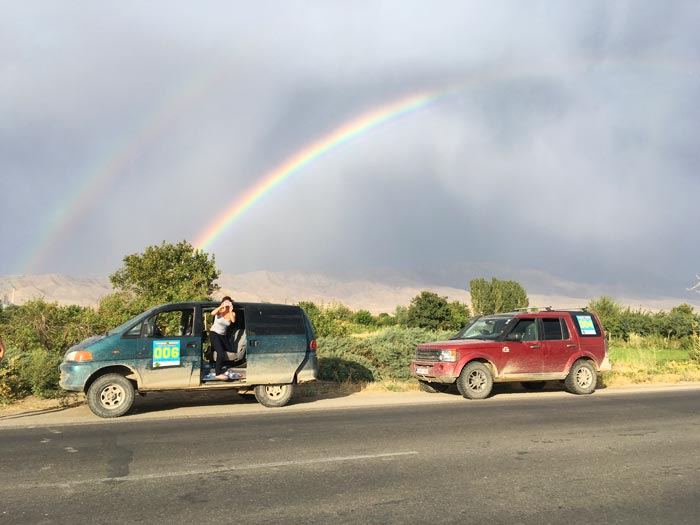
{"points": [[401, 315], [497, 296], [364, 318], [610, 313], [459, 313], [429, 310], [168, 273]]}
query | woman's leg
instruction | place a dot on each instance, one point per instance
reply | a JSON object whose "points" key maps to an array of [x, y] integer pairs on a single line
{"points": [[219, 346]]}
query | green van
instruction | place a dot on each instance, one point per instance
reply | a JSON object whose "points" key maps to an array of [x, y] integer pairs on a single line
{"points": [[167, 348]]}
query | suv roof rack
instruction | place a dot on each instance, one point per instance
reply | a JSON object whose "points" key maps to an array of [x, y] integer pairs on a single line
{"points": [[535, 309]]}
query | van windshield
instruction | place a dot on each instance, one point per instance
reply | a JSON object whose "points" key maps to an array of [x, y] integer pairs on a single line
{"points": [[487, 328], [130, 322]]}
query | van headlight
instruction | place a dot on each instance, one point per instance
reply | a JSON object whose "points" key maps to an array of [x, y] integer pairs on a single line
{"points": [[448, 356], [78, 355]]}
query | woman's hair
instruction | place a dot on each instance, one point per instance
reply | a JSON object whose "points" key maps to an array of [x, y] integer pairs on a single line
{"points": [[226, 298]]}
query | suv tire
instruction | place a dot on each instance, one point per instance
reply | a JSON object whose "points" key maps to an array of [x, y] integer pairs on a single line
{"points": [[475, 381], [274, 395], [582, 378], [110, 395]]}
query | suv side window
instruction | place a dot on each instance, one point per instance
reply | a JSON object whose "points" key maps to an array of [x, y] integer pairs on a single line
{"points": [[525, 330], [555, 329]]}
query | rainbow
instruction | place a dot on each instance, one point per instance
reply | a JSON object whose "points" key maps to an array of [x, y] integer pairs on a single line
{"points": [[148, 129], [312, 152]]}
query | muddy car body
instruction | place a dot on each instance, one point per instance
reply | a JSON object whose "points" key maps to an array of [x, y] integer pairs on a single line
{"points": [[531, 348], [167, 348]]}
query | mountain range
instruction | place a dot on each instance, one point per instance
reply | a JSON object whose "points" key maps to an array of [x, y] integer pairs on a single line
{"points": [[292, 287]]}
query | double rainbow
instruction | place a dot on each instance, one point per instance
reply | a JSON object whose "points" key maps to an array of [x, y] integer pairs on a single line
{"points": [[309, 154]]}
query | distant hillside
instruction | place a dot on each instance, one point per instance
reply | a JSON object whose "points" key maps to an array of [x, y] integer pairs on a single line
{"points": [[292, 287]]}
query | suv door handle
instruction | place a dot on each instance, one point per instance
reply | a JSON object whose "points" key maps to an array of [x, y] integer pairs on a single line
{"points": [[534, 346], [571, 346]]}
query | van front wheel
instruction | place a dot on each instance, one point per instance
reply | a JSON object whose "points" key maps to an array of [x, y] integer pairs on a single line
{"points": [[274, 395], [110, 395]]}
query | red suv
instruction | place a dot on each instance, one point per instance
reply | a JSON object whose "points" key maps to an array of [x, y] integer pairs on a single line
{"points": [[529, 347]]}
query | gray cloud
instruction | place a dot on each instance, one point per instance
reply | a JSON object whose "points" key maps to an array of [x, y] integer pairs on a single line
{"points": [[569, 149]]}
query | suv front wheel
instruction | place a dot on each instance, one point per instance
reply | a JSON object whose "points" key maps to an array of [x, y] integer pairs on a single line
{"points": [[475, 381], [582, 378]]}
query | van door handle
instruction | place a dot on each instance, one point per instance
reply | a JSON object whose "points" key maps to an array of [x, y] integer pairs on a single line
{"points": [[253, 342], [192, 345]]}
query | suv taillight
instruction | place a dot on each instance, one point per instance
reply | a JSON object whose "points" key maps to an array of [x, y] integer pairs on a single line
{"points": [[313, 345]]}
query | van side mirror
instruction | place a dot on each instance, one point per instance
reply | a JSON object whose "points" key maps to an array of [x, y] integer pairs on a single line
{"points": [[148, 329]]}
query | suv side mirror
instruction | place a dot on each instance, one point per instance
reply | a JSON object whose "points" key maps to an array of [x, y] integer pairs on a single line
{"points": [[514, 336]]}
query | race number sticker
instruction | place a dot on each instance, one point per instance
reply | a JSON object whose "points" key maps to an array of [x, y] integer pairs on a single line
{"points": [[166, 353], [585, 322]]}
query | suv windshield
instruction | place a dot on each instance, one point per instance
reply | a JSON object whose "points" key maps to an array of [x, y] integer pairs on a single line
{"points": [[489, 328]]}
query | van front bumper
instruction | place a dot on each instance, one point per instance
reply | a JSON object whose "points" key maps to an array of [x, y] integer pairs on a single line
{"points": [[75, 374]]}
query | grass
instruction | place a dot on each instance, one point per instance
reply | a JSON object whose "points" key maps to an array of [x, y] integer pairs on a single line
{"points": [[650, 360]]}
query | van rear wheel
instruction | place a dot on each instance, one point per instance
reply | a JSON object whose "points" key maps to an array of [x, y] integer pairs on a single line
{"points": [[274, 395], [110, 395]]}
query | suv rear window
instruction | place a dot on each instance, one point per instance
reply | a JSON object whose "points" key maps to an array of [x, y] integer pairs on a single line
{"points": [[274, 320], [555, 329], [586, 325]]}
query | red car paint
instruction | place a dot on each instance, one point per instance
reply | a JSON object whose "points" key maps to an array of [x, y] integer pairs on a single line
{"points": [[527, 347]]}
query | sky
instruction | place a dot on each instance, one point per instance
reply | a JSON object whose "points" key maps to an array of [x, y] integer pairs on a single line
{"points": [[556, 144]]}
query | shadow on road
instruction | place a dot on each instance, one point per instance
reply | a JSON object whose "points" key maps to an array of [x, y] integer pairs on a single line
{"points": [[500, 389], [164, 401]]}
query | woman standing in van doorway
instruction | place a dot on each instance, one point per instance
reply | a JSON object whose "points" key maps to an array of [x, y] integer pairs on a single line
{"points": [[224, 316]]}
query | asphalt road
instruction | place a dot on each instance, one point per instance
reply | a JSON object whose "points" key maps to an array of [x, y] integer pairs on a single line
{"points": [[537, 458]]}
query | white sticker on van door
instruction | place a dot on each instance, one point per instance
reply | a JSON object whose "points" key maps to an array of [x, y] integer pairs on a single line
{"points": [[166, 353]]}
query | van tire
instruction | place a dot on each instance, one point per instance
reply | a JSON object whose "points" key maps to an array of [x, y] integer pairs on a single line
{"points": [[110, 395], [475, 381], [432, 388], [582, 378], [274, 395]]}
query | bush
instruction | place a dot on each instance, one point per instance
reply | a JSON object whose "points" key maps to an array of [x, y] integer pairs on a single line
{"points": [[29, 373], [385, 354], [694, 350]]}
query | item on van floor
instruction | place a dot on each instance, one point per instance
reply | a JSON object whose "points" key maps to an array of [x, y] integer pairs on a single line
{"points": [[232, 375]]}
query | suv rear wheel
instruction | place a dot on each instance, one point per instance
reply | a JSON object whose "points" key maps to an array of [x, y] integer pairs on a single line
{"points": [[582, 378], [475, 381]]}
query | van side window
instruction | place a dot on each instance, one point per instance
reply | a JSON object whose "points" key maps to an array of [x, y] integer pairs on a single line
{"points": [[555, 329], [274, 320]]}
